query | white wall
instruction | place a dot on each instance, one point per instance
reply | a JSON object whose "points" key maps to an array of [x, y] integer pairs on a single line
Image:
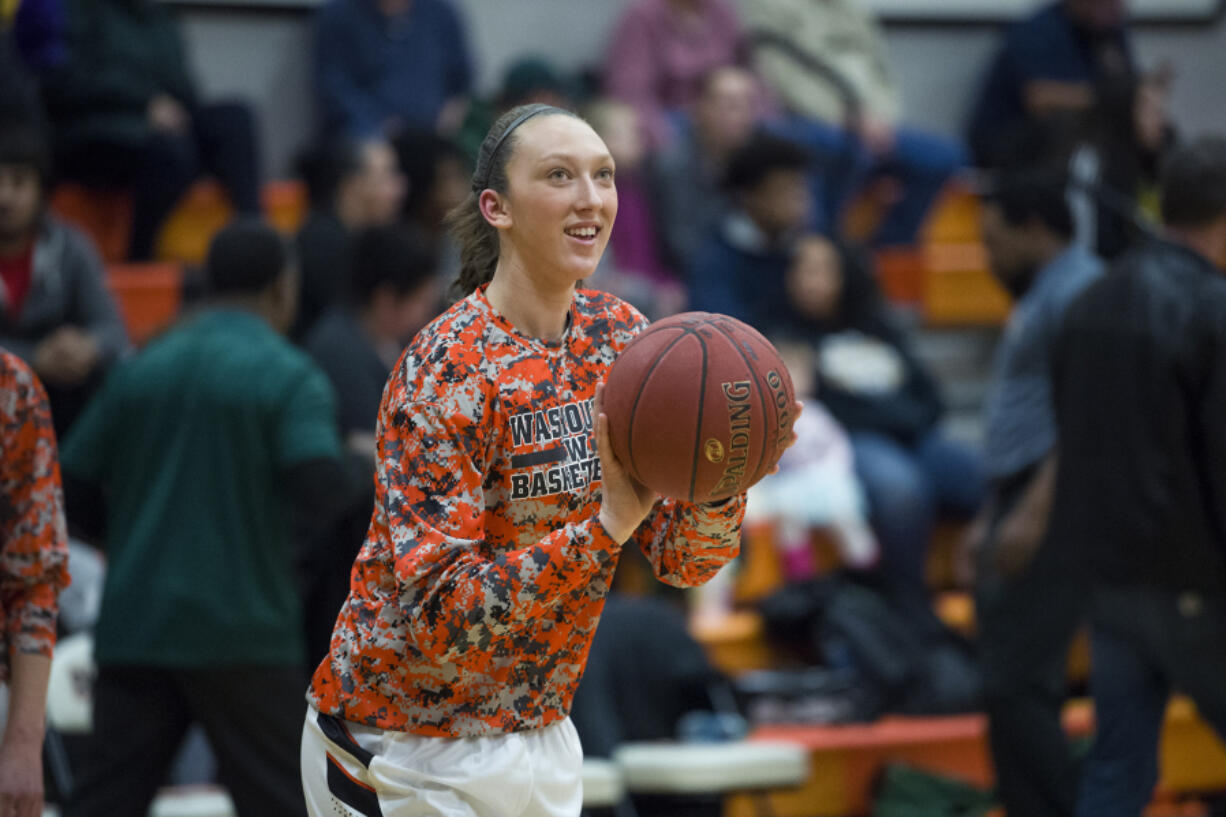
{"points": [[264, 55]]}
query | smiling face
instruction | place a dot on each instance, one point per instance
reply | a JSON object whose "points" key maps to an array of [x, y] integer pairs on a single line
{"points": [[555, 219]]}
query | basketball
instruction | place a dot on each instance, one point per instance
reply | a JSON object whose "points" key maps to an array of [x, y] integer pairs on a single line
{"points": [[700, 406]]}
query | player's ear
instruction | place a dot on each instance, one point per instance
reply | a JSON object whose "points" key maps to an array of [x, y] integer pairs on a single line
{"points": [[495, 208]]}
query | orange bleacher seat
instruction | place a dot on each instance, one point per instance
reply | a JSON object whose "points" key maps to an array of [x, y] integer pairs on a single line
{"points": [[104, 215], [149, 295], [958, 288], [205, 209], [185, 235], [285, 204], [847, 760]]}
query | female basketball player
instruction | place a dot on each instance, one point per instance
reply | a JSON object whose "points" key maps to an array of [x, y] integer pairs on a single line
{"points": [[500, 512]]}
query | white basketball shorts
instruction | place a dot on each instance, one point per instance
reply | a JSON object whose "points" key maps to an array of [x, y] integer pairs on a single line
{"points": [[350, 770]]}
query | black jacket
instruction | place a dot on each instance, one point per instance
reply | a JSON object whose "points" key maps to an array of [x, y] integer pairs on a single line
{"points": [[1139, 380]]}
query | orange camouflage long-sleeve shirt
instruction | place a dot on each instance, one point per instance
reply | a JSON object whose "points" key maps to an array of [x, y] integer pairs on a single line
{"points": [[473, 602], [33, 536]]}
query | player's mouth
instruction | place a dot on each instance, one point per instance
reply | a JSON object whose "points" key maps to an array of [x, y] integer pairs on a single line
{"points": [[584, 232]]}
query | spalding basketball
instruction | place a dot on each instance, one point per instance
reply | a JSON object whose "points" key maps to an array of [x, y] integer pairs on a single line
{"points": [[700, 406]]}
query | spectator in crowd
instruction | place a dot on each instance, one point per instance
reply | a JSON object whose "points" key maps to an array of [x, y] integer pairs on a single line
{"points": [[642, 642], [385, 65], [527, 80], [33, 571], [19, 97], [1046, 76], [827, 63], [128, 114], [438, 172], [200, 444], [55, 310], [1140, 389], [351, 186], [687, 175], [40, 30], [393, 293], [740, 268], [661, 50], [633, 268], [1114, 160], [871, 381], [1028, 599], [816, 487]]}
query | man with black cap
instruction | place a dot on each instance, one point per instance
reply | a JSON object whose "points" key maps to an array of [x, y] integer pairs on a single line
{"points": [[1140, 396], [202, 445]]}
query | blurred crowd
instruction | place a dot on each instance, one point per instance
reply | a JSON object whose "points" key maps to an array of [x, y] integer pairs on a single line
{"points": [[743, 134]]}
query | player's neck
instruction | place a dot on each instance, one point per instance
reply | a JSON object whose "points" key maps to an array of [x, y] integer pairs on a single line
{"points": [[533, 307]]}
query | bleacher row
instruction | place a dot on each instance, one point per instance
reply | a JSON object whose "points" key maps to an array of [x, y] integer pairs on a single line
{"points": [[945, 276], [847, 760], [945, 280]]}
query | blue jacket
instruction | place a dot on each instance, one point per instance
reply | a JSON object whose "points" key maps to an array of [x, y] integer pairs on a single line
{"points": [[1045, 46], [736, 272], [374, 73]]}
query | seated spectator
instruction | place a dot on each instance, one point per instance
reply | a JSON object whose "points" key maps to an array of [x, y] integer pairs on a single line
{"points": [[1047, 74], [19, 101], [739, 270], [687, 174], [56, 312], [816, 485], [632, 267], [385, 65], [640, 644], [827, 63], [127, 114], [659, 53], [527, 80], [40, 33], [351, 186], [873, 384], [439, 178], [1114, 160], [392, 293], [202, 444]]}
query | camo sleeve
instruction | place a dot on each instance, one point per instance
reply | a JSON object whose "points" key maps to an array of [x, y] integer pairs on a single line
{"points": [[687, 543], [34, 547], [456, 594]]}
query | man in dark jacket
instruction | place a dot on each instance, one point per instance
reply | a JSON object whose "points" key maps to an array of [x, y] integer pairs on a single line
{"points": [[127, 113], [1140, 396]]}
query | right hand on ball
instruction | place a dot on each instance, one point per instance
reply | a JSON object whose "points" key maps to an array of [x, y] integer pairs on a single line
{"points": [[625, 501]]}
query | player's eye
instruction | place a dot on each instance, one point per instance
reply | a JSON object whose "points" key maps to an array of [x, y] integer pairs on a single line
{"points": [[605, 173], [558, 174]]}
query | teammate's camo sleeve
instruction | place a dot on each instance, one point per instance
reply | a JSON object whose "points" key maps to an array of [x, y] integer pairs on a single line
{"points": [[34, 555], [454, 596]]}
